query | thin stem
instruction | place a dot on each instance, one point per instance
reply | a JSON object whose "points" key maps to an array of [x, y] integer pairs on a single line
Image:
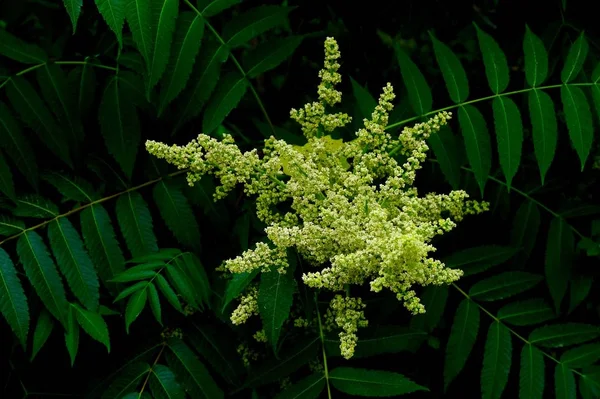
{"points": [[236, 63], [164, 345], [513, 332], [321, 335], [508, 93]]}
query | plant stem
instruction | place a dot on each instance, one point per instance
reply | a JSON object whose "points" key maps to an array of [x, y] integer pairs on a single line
{"points": [[321, 335]]}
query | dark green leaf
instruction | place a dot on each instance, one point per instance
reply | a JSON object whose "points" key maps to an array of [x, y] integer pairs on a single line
{"points": [[477, 143], [42, 274], [192, 267], [177, 213], [182, 284], [34, 206], [72, 336], [93, 324], [504, 285], [531, 377], [135, 306], [564, 382], [138, 14], [34, 113], [168, 292], [462, 337], [496, 361], [478, 259], [10, 226], [7, 186], [17, 147], [452, 71], [13, 302], [575, 59], [20, 51], [509, 136], [418, 90], [275, 297], [243, 28], [580, 289], [561, 335], [164, 18], [76, 188], [526, 313], [100, 241], [560, 248], [364, 100], [447, 151], [579, 120], [43, 329], [372, 383], [119, 124], [379, 340], [536, 59], [163, 383], [83, 79], [134, 274], [584, 355], [155, 302], [544, 129], [307, 388], [74, 262], [229, 93], [270, 54], [135, 221], [494, 60], [192, 374], [434, 299], [113, 12], [186, 44], [126, 380], [131, 289]]}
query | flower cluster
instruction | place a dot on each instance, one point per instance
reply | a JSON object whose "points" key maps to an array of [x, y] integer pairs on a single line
{"points": [[346, 313], [354, 215]]}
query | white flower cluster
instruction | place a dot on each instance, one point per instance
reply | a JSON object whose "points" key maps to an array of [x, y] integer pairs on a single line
{"points": [[355, 215]]}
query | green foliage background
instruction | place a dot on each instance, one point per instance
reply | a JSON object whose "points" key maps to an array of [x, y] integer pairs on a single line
{"points": [[107, 259]]}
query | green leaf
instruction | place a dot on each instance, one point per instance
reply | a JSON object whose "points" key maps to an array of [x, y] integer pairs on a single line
{"points": [[379, 340], [531, 377], [7, 185], [364, 100], [167, 291], [447, 152], [138, 14], [307, 388], [575, 59], [72, 335], [101, 243], [135, 221], [126, 380], [155, 303], [434, 299], [213, 342], [192, 374], [43, 329], [161, 256], [164, 18], [185, 47], [579, 120], [580, 289], [243, 28], [589, 382], [526, 313], [34, 206], [182, 284], [74, 262], [42, 274], [10, 226], [192, 267], [564, 382], [93, 324], [119, 124], [216, 6], [164, 384], [203, 80], [113, 12], [270, 54], [135, 306], [544, 129], [561, 335], [582, 356], [76, 189], [536, 59], [525, 229], [452, 71], [275, 297], [177, 213], [509, 136], [496, 361], [462, 338], [371, 383], [289, 361], [418, 90], [13, 302], [131, 289], [83, 79], [229, 93], [134, 274], [20, 51], [560, 248], [477, 143], [494, 60], [34, 113], [479, 259], [504, 285], [17, 147], [60, 96]]}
